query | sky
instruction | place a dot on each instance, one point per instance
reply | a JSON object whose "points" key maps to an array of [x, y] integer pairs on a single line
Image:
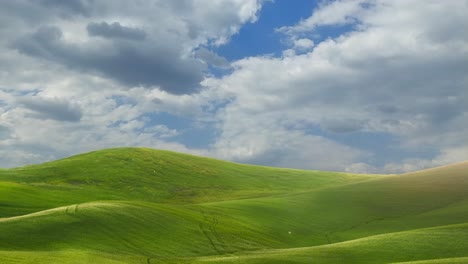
{"points": [[366, 86]]}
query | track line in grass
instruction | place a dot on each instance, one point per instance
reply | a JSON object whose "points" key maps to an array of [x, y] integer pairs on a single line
{"points": [[71, 209], [208, 228]]}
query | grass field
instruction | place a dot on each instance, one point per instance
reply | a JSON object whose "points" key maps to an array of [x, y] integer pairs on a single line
{"points": [[135, 205]]}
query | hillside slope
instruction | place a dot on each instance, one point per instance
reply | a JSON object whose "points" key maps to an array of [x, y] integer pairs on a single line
{"points": [[149, 175], [146, 206], [420, 244]]}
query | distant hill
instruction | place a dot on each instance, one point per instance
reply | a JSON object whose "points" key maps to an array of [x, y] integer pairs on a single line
{"points": [[136, 205]]}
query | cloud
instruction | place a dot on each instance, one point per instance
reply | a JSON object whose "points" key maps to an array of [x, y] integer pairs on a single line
{"points": [[279, 147], [74, 61], [115, 30], [212, 58], [392, 74], [70, 7], [162, 131], [52, 108], [396, 77], [150, 44], [131, 64], [446, 156], [342, 125], [303, 44], [328, 13], [5, 132], [106, 121]]}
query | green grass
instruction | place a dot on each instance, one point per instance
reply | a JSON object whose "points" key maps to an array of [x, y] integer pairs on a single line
{"points": [[151, 175], [420, 244], [133, 205]]}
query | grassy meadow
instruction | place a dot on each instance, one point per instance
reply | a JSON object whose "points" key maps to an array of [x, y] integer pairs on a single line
{"points": [[136, 205]]}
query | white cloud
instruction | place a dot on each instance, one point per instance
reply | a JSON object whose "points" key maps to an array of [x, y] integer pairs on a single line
{"points": [[303, 44], [446, 156], [106, 112], [273, 145], [399, 73], [330, 13]]}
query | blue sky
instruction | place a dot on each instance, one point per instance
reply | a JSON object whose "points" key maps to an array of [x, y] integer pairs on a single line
{"points": [[261, 38], [359, 85]]}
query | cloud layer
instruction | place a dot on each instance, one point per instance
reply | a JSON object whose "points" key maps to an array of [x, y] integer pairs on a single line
{"points": [[386, 92], [399, 72], [131, 46]]}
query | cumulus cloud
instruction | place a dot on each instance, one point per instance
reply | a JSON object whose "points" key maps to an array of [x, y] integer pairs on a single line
{"points": [[303, 44], [52, 108], [340, 12], [100, 67], [276, 146], [131, 64], [150, 44], [393, 74], [115, 30], [108, 119], [212, 58]]}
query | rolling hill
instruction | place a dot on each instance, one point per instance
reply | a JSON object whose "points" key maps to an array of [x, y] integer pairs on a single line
{"points": [[136, 205]]}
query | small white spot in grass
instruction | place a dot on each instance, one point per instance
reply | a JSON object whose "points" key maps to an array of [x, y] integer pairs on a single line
{"points": [[289, 232]]}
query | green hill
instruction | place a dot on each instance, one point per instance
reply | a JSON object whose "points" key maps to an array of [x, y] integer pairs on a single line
{"points": [[133, 205]]}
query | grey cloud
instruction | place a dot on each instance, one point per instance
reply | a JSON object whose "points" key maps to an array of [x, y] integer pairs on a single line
{"points": [[160, 56], [294, 150], [5, 132], [55, 109], [43, 43], [426, 88], [115, 30], [36, 12], [212, 58], [67, 7], [443, 110], [391, 122], [387, 109], [33, 12], [133, 64], [342, 125], [19, 154]]}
